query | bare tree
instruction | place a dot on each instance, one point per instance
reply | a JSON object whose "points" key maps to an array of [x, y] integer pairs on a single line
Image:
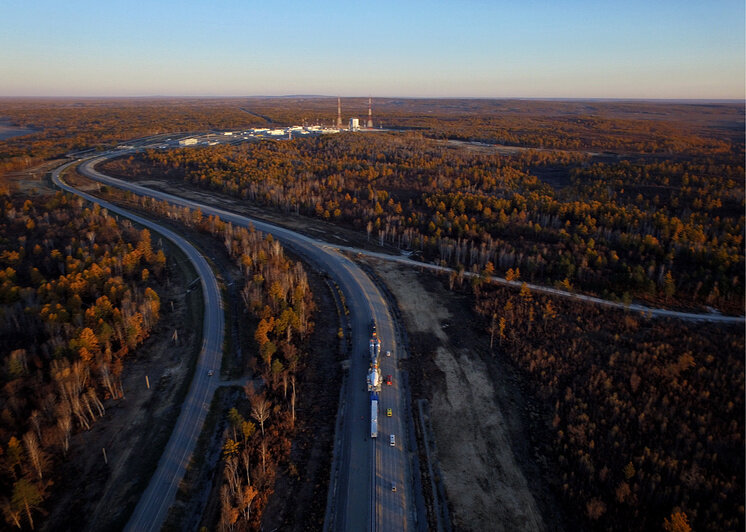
{"points": [[492, 329], [87, 404], [260, 409], [65, 425], [246, 461], [93, 397], [292, 398], [11, 512], [29, 496], [106, 379], [35, 419], [35, 453], [247, 497], [79, 375], [78, 411], [264, 456], [231, 475], [228, 514]]}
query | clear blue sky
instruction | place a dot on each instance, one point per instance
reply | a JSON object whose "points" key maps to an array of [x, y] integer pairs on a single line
{"points": [[564, 49]]}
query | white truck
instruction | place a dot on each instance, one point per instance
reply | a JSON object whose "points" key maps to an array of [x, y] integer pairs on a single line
{"points": [[373, 414]]}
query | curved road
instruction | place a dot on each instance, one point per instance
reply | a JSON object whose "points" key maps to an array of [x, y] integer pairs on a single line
{"points": [[152, 508], [362, 498]]}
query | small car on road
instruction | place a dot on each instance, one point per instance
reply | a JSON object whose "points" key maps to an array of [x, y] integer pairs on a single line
{"points": [[388, 412], [393, 486], [210, 373], [388, 380], [388, 353], [392, 440]]}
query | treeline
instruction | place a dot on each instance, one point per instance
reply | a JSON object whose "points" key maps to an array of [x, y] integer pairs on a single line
{"points": [[582, 133], [619, 127], [671, 232], [71, 125], [76, 297], [644, 417], [277, 297]]}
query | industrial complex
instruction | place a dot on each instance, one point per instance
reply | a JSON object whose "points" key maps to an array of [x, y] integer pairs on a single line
{"points": [[288, 132]]}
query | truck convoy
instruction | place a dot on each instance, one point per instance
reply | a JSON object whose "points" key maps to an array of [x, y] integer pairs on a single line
{"points": [[373, 379]]}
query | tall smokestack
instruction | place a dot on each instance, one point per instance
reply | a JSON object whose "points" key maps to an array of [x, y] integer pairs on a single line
{"points": [[370, 113], [339, 112]]}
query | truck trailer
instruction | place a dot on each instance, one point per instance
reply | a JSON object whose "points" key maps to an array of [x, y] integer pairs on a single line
{"points": [[373, 415]]}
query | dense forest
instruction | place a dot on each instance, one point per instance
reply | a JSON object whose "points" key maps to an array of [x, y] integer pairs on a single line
{"points": [[662, 230], [279, 303], [644, 416], [76, 296], [64, 126]]}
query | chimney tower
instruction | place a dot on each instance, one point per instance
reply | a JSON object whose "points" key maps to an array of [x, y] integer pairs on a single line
{"points": [[339, 112], [370, 114]]}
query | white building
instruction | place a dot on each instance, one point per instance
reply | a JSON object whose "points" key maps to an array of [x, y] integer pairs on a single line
{"points": [[354, 124], [187, 142]]}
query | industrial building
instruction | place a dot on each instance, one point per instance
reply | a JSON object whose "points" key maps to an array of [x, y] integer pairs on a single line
{"points": [[354, 123]]}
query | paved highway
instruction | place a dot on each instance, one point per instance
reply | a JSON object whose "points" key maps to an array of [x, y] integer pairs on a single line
{"points": [[152, 509], [363, 498]]}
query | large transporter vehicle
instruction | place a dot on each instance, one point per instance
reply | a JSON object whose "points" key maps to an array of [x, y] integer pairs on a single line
{"points": [[375, 349]]}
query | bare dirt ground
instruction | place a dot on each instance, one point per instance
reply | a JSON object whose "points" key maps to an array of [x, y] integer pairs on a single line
{"points": [[133, 431], [89, 494], [485, 483]]}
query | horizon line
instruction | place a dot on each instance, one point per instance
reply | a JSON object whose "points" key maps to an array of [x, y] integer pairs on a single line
{"points": [[389, 97]]}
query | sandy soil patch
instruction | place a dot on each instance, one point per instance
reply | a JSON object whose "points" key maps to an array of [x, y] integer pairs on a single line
{"points": [[484, 482]]}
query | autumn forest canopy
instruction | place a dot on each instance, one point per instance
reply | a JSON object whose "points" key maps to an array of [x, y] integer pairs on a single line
{"points": [[608, 213], [642, 419]]}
